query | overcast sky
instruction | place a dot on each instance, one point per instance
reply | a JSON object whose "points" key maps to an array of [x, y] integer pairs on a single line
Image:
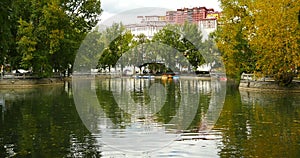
{"points": [[113, 7]]}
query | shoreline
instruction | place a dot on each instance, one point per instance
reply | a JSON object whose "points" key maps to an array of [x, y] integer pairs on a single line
{"points": [[244, 85], [268, 86], [30, 83]]}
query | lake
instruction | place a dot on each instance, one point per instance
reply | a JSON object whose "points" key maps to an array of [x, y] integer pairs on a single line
{"points": [[148, 118]]}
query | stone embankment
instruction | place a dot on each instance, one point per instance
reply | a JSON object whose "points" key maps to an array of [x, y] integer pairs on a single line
{"points": [[250, 82], [268, 86], [23, 83]]}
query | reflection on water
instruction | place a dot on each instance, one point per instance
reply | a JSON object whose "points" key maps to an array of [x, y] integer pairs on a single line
{"points": [[133, 115], [44, 122], [260, 124]]}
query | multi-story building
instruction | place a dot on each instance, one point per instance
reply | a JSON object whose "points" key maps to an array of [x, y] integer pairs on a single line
{"points": [[149, 25], [205, 18], [170, 17], [183, 15], [194, 15], [209, 23]]}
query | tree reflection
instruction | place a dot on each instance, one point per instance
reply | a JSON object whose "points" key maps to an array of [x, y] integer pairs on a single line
{"points": [[260, 124], [43, 122], [138, 91], [109, 105]]}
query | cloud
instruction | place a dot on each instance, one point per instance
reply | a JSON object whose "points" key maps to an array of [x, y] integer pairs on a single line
{"points": [[106, 15], [117, 6], [130, 16]]}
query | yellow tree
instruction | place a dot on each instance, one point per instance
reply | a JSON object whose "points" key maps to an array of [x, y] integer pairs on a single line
{"points": [[276, 38], [260, 36]]}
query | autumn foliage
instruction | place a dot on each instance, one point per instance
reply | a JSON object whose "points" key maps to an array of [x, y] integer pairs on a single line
{"points": [[261, 37]]}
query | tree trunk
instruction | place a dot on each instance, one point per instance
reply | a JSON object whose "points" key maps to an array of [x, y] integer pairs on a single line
{"points": [[285, 79]]}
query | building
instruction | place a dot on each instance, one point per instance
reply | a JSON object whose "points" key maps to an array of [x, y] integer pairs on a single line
{"points": [[205, 18], [170, 17], [149, 25], [193, 15], [207, 26]]}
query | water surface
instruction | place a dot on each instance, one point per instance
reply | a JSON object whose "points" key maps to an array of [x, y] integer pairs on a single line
{"points": [[45, 122]]}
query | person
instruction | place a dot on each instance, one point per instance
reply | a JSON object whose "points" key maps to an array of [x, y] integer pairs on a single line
{"points": [[1, 71]]}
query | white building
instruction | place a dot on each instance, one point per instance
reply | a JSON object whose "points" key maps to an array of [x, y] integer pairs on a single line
{"points": [[149, 25], [207, 26]]}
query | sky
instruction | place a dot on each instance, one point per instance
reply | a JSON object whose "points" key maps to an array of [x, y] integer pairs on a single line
{"points": [[113, 7]]}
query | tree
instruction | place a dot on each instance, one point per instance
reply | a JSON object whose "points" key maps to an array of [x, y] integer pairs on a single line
{"points": [[50, 33], [141, 44], [192, 44], [250, 42], [141, 52], [232, 37], [168, 41], [17, 9], [186, 39], [89, 51], [6, 36], [117, 40], [123, 45], [276, 39], [212, 54], [105, 60]]}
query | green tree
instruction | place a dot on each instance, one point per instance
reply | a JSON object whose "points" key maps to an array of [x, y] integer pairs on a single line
{"points": [[6, 36], [124, 44], [141, 47], [105, 60], [192, 44], [141, 52], [232, 37], [186, 39], [117, 41], [89, 51], [17, 9], [168, 42], [50, 32]]}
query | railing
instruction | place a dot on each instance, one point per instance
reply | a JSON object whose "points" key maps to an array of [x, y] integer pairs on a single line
{"points": [[247, 76], [252, 77]]}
